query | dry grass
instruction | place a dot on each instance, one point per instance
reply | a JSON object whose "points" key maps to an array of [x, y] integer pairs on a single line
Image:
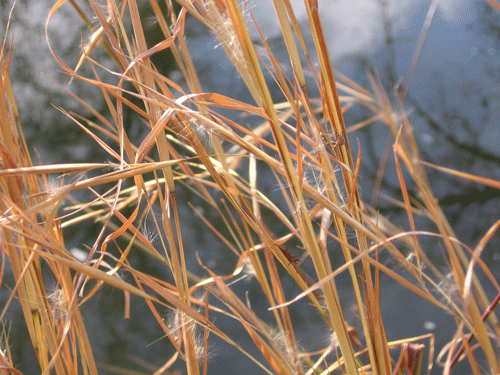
{"points": [[308, 136]]}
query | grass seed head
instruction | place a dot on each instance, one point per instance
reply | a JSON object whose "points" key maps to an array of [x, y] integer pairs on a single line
{"points": [[57, 304]]}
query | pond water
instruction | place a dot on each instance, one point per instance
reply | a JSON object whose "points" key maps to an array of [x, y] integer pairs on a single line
{"points": [[453, 104]]}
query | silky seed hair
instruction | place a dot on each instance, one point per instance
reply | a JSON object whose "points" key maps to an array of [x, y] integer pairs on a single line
{"points": [[175, 324], [57, 304]]}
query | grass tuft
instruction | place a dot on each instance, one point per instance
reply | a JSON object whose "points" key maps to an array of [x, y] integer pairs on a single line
{"points": [[317, 230]]}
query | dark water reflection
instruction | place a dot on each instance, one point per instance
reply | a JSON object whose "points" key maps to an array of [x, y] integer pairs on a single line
{"points": [[453, 104]]}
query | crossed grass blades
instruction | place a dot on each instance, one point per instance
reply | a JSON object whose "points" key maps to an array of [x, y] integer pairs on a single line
{"points": [[300, 137]]}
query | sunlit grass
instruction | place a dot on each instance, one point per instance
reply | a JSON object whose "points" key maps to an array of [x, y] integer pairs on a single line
{"points": [[303, 142]]}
